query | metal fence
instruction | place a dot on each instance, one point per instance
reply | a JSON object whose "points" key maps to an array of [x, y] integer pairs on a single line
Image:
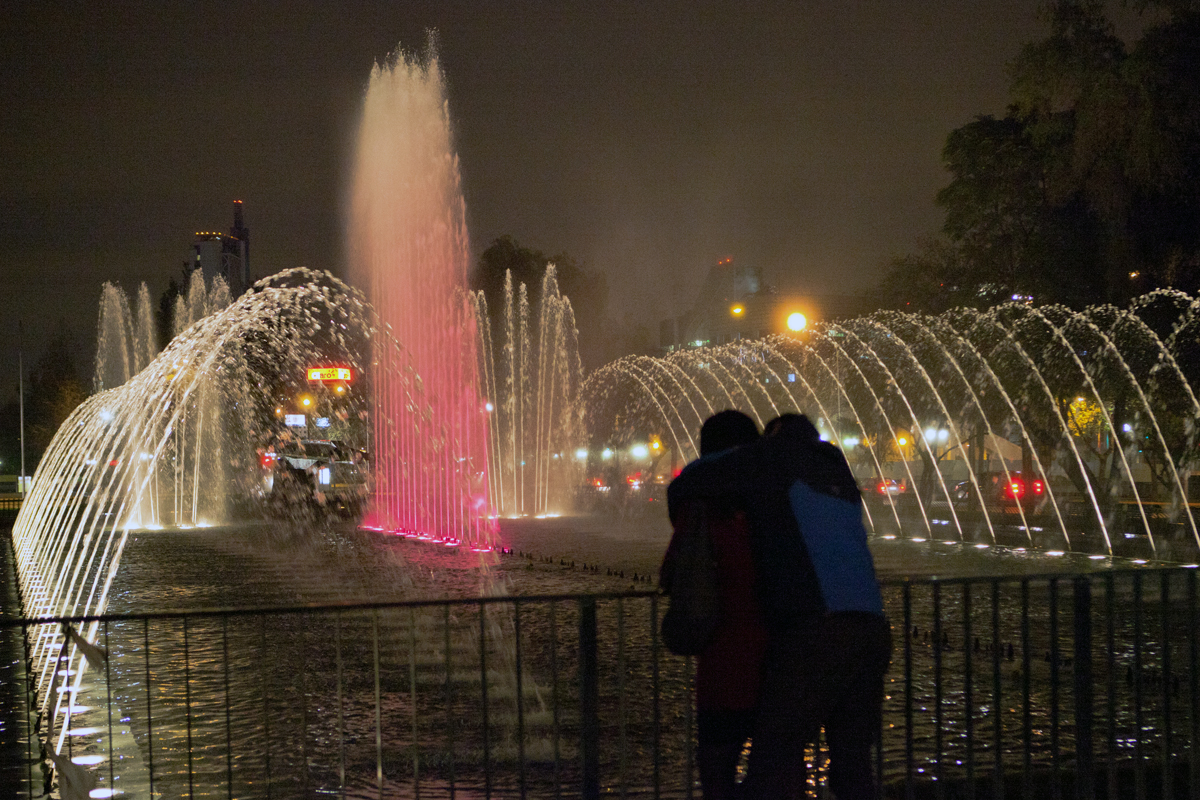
{"points": [[1025, 686]]}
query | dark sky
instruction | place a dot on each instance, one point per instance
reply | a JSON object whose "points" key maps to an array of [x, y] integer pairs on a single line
{"points": [[646, 139]]}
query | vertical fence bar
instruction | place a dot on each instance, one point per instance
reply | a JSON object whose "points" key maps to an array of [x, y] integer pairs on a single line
{"points": [[657, 732], [108, 702], [554, 699], [341, 712], [1193, 689], [1165, 610], [303, 620], [1084, 693], [378, 703], [1026, 709], [187, 700], [938, 747], [589, 701], [228, 703], [449, 703], [520, 700], [997, 726], [623, 744], [412, 689], [906, 598], [483, 695], [968, 691], [689, 725], [1139, 766], [1110, 641], [29, 703], [149, 692], [266, 693], [1055, 763]]}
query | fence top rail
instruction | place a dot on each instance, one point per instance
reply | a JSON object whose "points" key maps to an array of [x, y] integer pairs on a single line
{"points": [[325, 608], [1037, 577], [352, 606]]}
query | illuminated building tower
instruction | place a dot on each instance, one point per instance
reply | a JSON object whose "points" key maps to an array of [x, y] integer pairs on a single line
{"points": [[225, 254]]}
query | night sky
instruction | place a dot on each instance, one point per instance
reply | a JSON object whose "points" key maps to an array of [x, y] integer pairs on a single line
{"points": [[645, 139]]}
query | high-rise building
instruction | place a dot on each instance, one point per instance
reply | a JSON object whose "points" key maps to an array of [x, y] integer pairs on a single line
{"points": [[225, 254]]}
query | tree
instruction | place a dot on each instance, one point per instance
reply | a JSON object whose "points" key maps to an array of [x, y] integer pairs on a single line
{"points": [[1124, 128], [587, 290], [1084, 191]]}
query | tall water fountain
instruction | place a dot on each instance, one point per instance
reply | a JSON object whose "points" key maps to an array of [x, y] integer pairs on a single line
{"points": [[1095, 408], [531, 376], [125, 336], [409, 249]]}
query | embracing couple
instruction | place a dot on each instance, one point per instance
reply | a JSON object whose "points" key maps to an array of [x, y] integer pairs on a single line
{"points": [[800, 642]]}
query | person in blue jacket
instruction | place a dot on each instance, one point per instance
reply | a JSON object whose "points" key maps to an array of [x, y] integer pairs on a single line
{"points": [[829, 643]]}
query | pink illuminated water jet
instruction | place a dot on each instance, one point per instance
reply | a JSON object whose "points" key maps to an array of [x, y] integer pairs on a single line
{"points": [[409, 250]]}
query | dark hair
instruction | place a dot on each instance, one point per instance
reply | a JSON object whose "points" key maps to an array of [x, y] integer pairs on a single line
{"points": [[726, 429], [796, 425]]}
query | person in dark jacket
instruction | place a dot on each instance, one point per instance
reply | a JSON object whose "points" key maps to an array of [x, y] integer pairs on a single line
{"points": [[829, 643], [728, 671]]}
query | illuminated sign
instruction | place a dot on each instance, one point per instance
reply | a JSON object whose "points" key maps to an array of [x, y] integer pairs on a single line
{"points": [[294, 420], [322, 422], [330, 374]]}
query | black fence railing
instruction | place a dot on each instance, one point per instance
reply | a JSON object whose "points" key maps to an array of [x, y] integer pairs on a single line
{"points": [[1016, 686]]}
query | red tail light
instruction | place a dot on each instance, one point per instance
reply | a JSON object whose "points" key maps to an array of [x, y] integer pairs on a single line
{"points": [[882, 487], [1015, 489], [1038, 487]]}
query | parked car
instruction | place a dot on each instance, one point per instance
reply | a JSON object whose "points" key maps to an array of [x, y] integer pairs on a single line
{"points": [[883, 488], [316, 473], [1003, 491]]}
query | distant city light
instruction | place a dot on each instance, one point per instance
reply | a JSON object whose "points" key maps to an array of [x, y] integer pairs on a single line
{"points": [[607, 453], [791, 377], [850, 441], [639, 451], [796, 321], [581, 454], [489, 407]]}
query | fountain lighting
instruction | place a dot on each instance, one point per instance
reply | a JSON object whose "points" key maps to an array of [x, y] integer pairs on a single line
{"points": [[88, 761], [1055, 553], [99, 794], [1097, 558], [916, 539], [89, 731], [977, 397], [409, 250], [982, 546]]}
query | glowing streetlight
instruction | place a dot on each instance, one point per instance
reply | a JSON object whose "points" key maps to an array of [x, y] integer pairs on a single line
{"points": [[639, 451], [797, 321], [306, 401], [581, 454], [737, 310]]}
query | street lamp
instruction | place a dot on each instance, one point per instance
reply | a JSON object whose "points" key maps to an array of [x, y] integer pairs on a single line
{"points": [[796, 321]]}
